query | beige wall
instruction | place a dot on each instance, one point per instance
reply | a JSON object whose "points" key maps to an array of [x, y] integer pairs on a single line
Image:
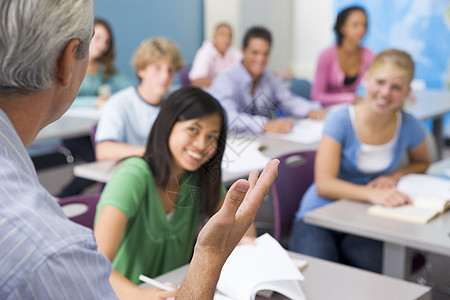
{"points": [[301, 28]]}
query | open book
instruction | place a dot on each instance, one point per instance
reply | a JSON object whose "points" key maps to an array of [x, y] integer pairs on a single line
{"points": [[260, 269], [430, 196]]}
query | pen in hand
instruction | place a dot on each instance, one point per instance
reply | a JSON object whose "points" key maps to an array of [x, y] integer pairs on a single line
{"points": [[155, 283]]}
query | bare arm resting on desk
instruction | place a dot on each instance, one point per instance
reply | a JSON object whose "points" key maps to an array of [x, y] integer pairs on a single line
{"points": [[381, 190], [110, 150], [223, 231]]}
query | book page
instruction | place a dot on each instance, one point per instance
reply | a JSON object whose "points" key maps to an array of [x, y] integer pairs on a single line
{"points": [[407, 213], [265, 265], [431, 203]]}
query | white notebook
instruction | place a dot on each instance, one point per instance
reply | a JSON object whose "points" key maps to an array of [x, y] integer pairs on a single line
{"points": [[260, 269]]}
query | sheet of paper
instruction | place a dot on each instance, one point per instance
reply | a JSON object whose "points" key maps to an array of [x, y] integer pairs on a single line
{"points": [[424, 185], [305, 131], [266, 265], [242, 156]]}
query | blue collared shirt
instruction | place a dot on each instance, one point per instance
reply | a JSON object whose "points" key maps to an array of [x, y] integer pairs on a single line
{"points": [[247, 112], [43, 255]]}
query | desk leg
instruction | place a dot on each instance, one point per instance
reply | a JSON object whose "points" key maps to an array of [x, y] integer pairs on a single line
{"points": [[396, 260], [439, 135]]}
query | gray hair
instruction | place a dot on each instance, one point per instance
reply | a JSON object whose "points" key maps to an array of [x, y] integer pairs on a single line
{"points": [[33, 34]]}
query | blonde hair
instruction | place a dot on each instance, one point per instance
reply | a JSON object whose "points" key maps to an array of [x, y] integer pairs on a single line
{"points": [[155, 49], [401, 62]]}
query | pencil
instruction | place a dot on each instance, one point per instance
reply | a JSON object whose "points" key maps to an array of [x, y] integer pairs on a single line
{"points": [[155, 283]]}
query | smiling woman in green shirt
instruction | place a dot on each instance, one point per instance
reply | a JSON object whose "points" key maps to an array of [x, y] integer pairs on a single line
{"points": [[149, 213]]}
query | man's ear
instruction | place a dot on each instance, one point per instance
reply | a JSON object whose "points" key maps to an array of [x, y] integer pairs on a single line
{"points": [[65, 64]]}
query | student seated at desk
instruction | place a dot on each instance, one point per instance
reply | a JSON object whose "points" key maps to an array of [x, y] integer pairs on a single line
{"points": [[358, 158], [251, 95], [102, 76], [149, 212], [214, 57], [129, 115], [341, 67]]}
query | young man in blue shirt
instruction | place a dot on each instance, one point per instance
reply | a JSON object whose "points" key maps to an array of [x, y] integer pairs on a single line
{"points": [[252, 95]]}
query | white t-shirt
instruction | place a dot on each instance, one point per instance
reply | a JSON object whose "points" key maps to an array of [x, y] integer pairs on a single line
{"points": [[126, 118], [208, 62], [374, 158]]}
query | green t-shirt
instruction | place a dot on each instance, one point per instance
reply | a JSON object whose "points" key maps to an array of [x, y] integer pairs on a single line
{"points": [[151, 244]]}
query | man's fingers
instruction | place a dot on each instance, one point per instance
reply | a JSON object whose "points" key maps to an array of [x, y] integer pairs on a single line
{"points": [[254, 188], [234, 197], [267, 176], [258, 191], [252, 179]]}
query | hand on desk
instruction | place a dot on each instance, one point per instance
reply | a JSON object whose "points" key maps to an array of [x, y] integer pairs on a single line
{"points": [[386, 193], [388, 197], [317, 114], [223, 231], [383, 182], [281, 125]]}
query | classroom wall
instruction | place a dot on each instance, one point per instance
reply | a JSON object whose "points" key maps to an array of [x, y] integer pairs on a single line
{"points": [[274, 15], [419, 27], [300, 28], [215, 13], [133, 21], [312, 32]]}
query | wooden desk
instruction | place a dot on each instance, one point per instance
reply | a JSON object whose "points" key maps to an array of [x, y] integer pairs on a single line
{"points": [[398, 236], [327, 280], [432, 104]]}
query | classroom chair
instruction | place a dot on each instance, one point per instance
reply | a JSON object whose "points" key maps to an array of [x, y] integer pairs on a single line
{"points": [[295, 175], [80, 208], [184, 75], [92, 132], [300, 87], [48, 147]]}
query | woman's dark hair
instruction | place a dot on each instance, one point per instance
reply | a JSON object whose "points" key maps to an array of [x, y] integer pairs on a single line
{"points": [[107, 59], [256, 32], [342, 18], [185, 104]]}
